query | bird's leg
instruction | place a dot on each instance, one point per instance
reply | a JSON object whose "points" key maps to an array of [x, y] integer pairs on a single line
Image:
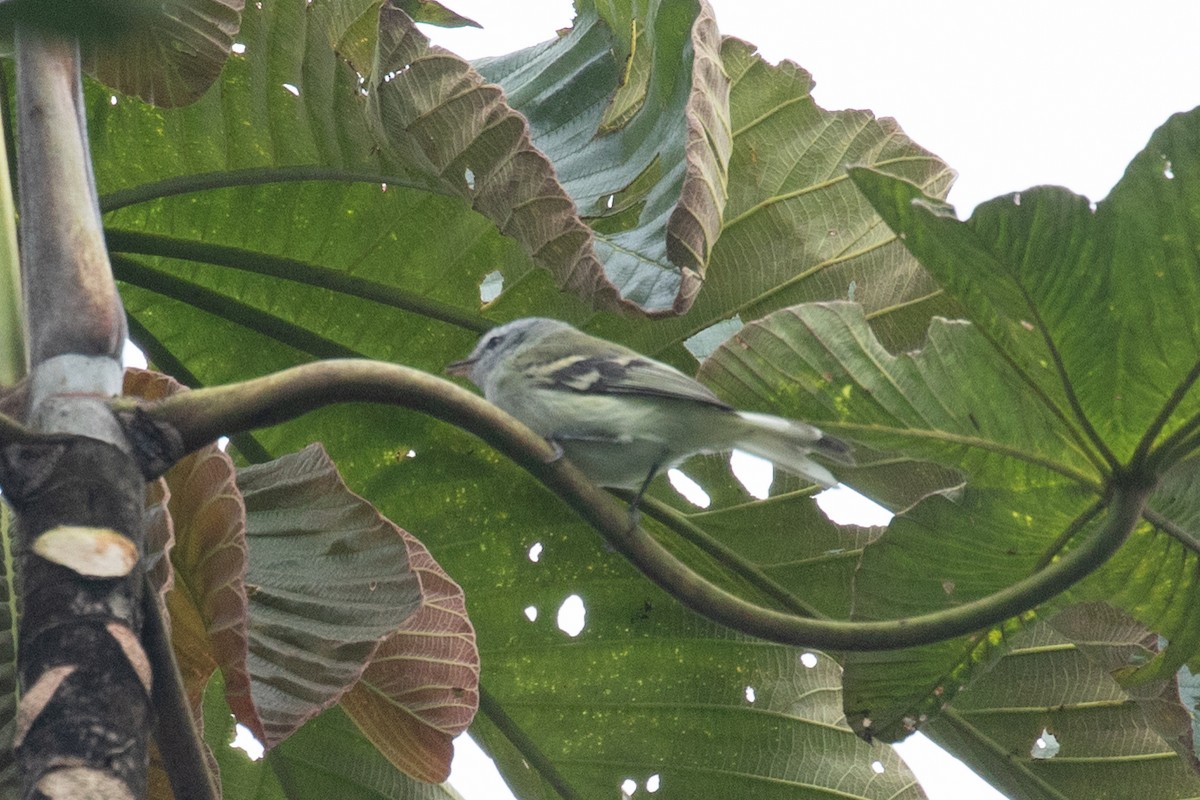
{"points": [[634, 514]]}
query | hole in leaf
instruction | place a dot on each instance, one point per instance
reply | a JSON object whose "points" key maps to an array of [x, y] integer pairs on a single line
{"points": [[1045, 746], [844, 506], [531, 613], [653, 782], [808, 659], [238, 48], [702, 344], [245, 741], [877, 767], [621, 210], [491, 286], [750, 695], [755, 474], [295, 90], [572, 616], [628, 787], [687, 487], [535, 552]]}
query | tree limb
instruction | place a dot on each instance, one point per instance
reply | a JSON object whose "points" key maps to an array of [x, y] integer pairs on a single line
{"points": [[83, 718], [201, 416]]}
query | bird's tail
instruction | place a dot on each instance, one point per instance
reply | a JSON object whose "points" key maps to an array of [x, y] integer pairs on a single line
{"points": [[788, 444]]}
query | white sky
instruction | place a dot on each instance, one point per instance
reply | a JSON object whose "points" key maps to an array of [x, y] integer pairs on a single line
{"points": [[1011, 95]]}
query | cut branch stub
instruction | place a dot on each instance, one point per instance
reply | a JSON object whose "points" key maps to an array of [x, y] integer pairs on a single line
{"points": [[90, 709]]}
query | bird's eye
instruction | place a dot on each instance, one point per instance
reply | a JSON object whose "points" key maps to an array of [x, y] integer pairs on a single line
{"points": [[493, 343]]}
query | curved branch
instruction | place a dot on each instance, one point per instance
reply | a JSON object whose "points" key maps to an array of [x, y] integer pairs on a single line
{"points": [[201, 416]]}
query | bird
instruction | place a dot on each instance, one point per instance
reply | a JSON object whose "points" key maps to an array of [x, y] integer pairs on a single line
{"points": [[622, 417]]}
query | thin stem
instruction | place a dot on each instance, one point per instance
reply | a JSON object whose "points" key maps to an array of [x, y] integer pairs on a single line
{"points": [[291, 269], [1176, 447], [525, 745], [1172, 529], [1068, 534], [10, 141], [728, 558], [205, 299], [1080, 438], [201, 416], [1168, 409], [259, 176], [175, 728], [1072, 399], [951, 717]]}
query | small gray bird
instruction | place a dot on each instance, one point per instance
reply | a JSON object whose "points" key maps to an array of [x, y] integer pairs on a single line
{"points": [[622, 417]]}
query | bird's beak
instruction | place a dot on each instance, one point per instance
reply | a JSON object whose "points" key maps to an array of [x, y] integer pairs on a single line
{"points": [[460, 369]]}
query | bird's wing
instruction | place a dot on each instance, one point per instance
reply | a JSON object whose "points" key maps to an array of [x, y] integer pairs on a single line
{"points": [[620, 370]]}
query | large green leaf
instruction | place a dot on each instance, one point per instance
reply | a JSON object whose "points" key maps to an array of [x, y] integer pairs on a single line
{"points": [[774, 731], [794, 229], [241, 150], [588, 712], [1029, 481], [255, 191], [1107, 741], [1066, 400], [937, 556], [1095, 307], [822, 362]]}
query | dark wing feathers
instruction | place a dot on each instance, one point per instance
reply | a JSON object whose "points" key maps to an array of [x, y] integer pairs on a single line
{"points": [[619, 370]]}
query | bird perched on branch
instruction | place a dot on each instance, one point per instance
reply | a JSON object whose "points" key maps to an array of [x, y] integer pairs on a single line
{"points": [[622, 417]]}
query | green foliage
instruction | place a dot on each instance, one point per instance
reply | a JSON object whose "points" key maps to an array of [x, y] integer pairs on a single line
{"points": [[343, 190]]}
